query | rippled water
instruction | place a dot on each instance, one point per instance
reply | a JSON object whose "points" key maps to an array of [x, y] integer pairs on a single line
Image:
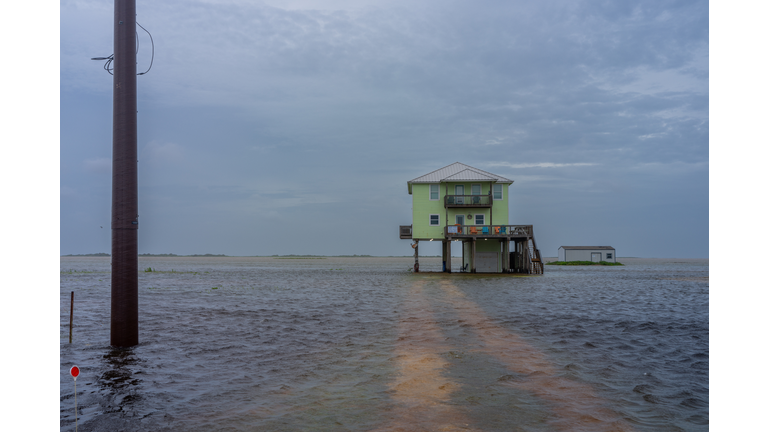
{"points": [[362, 344]]}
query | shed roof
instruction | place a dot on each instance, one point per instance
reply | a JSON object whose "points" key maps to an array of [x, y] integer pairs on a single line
{"points": [[587, 247], [458, 172]]}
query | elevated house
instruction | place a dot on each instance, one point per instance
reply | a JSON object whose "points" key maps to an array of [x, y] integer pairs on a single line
{"points": [[469, 208]]}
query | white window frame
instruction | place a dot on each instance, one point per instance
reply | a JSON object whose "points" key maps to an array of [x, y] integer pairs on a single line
{"points": [[501, 191], [479, 215], [438, 220], [430, 192], [471, 192]]}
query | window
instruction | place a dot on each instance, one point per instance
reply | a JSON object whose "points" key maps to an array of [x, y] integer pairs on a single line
{"points": [[475, 189], [608, 255], [479, 219], [497, 192], [434, 191], [434, 219]]}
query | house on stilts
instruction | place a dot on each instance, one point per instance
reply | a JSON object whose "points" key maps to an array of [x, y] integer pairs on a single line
{"points": [[469, 207]]}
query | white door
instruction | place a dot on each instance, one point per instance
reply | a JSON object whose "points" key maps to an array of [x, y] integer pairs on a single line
{"points": [[597, 256], [487, 262], [459, 189]]}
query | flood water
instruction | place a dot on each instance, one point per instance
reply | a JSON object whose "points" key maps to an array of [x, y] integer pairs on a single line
{"points": [[362, 344]]}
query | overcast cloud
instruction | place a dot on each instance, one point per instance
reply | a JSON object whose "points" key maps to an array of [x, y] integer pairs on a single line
{"points": [[292, 127]]}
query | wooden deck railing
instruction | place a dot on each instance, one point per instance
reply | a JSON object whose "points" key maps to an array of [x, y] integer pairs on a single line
{"points": [[468, 201], [488, 231]]}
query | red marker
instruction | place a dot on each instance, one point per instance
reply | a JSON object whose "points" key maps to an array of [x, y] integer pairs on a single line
{"points": [[75, 371]]}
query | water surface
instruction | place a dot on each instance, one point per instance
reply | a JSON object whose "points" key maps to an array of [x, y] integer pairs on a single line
{"points": [[363, 344]]}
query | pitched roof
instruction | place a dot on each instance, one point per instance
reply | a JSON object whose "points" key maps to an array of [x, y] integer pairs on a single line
{"points": [[586, 247], [470, 174], [458, 172]]}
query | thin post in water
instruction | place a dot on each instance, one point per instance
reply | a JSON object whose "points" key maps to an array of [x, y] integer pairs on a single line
{"points": [[71, 310]]}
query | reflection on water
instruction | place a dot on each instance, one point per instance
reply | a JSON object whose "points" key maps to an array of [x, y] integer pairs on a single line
{"points": [[362, 344], [118, 383]]}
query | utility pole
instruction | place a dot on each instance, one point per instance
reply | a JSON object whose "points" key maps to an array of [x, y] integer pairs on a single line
{"points": [[124, 326]]}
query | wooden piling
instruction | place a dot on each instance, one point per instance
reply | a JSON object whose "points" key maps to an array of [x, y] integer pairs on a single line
{"points": [[472, 266], [416, 254], [124, 324], [71, 311], [448, 256]]}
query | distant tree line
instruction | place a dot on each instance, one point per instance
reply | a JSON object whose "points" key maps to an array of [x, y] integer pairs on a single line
{"points": [[300, 256], [102, 254]]}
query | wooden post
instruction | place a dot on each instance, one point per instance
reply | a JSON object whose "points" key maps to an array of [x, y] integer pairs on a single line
{"points": [[504, 257], [448, 264], [442, 248], [472, 256], [71, 311], [516, 259], [509, 256], [416, 254], [124, 327]]}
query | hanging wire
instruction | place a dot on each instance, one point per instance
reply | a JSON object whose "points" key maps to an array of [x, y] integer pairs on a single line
{"points": [[109, 63], [152, 60], [111, 58]]}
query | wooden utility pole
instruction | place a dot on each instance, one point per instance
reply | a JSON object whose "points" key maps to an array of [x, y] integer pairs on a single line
{"points": [[124, 328]]}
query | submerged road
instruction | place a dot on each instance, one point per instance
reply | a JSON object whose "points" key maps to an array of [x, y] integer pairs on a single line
{"points": [[423, 389]]}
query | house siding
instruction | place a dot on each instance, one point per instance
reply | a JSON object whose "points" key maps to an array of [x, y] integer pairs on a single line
{"points": [[423, 207]]}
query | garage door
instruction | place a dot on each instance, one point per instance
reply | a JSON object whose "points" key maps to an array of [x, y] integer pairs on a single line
{"points": [[487, 262]]}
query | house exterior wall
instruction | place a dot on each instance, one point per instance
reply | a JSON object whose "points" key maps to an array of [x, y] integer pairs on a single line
{"points": [[423, 207], [584, 254]]}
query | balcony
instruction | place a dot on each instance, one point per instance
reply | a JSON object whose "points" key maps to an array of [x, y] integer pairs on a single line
{"points": [[487, 231], [476, 201]]}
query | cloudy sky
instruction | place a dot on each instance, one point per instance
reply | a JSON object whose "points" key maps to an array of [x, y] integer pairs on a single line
{"points": [[292, 127]]}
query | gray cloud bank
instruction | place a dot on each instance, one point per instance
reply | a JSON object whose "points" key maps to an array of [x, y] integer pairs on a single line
{"points": [[294, 129]]}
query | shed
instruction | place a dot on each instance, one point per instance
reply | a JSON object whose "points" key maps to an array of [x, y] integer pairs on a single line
{"points": [[586, 253]]}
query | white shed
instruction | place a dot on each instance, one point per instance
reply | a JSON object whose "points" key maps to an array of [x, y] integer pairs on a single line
{"points": [[586, 253]]}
